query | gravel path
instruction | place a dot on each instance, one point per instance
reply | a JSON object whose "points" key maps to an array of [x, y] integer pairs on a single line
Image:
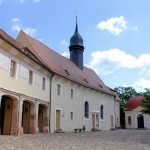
{"points": [[100, 140]]}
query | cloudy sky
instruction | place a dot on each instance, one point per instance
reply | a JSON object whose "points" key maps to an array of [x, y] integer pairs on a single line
{"points": [[116, 33]]}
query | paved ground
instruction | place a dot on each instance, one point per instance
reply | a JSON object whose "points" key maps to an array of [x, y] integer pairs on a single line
{"points": [[100, 140]]}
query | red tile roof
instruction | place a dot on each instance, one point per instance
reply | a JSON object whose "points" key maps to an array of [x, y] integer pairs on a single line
{"points": [[9, 39], [58, 63], [133, 103], [19, 47], [117, 98]]}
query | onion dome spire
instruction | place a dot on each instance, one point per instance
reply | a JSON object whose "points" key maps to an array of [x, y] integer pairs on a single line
{"points": [[76, 48], [76, 39]]}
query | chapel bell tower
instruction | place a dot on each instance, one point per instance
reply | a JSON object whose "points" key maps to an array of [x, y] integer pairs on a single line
{"points": [[76, 48]]}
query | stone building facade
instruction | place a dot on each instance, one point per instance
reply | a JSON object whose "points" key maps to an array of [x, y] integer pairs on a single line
{"points": [[42, 91]]}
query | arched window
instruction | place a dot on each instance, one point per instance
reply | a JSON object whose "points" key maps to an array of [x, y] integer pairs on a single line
{"points": [[102, 111], [86, 109]]}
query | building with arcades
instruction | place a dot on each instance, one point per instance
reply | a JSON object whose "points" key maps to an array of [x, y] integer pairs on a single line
{"points": [[42, 91]]}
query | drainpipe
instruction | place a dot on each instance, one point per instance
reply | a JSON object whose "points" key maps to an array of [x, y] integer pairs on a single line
{"points": [[115, 113], [50, 101]]}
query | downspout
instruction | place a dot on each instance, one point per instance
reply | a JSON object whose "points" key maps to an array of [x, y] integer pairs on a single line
{"points": [[115, 113], [50, 101]]}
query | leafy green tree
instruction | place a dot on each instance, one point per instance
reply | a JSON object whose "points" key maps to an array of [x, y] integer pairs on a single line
{"points": [[125, 93], [146, 102]]}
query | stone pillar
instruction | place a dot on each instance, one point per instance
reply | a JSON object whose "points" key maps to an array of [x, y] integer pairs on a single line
{"points": [[0, 110], [46, 120], [19, 130], [34, 129]]}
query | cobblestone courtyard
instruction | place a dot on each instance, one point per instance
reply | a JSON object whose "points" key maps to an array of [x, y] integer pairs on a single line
{"points": [[101, 140]]}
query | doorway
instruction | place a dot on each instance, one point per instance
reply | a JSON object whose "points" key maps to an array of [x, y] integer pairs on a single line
{"points": [[26, 117], [140, 120], [6, 115], [58, 115], [40, 118]]}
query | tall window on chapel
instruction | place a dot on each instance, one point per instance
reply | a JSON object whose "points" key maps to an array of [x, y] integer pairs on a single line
{"points": [[102, 111], [71, 93], [86, 109], [13, 68], [58, 89]]}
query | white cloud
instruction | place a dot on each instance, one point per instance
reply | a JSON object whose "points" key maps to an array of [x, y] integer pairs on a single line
{"points": [[1, 1], [17, 26], [22, 1], [64, 43], [37, 1], [18, 1], [65, 54], [114, 25], [145, 71], [142, 84], [135, 28], [30, 31], [107, 62]]}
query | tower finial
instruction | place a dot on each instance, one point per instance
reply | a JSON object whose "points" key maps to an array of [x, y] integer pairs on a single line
{"points": [[76, 19], [76, 30]]}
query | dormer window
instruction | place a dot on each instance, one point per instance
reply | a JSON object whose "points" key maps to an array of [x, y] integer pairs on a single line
{"points": [[66, 72], [85, 80], [100, 86]]}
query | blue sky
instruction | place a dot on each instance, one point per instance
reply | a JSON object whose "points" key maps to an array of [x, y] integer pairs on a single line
{"points": [[116, 33]]}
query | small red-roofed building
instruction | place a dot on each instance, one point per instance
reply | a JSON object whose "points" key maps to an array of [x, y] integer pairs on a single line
{"points": [[133, 115]]}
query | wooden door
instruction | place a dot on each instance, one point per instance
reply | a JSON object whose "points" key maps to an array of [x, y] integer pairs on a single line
{"points": [[7, 116], [112, 121], [97, 121], [26, 117], [58, 119], [93, 120], [40, 118]]}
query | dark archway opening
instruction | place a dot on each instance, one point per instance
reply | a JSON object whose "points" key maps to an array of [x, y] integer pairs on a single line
{"points": [[140, 120], [6, 115]]}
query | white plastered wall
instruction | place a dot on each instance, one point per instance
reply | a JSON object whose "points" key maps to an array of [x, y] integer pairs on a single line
{"points": [[20, 83], [134, 114], [76, 105]]}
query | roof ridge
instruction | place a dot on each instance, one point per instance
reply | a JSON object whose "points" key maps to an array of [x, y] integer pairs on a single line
{"points": [[9, 38], [58, 63], [32, 46]]}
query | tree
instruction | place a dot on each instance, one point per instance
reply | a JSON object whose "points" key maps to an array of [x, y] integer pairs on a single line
{"points": [[146, 102], [125, 93]]}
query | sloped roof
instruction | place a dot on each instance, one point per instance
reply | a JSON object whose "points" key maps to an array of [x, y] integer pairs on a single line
{"points": [[19, 47], [9, 39], [117, 98], [62, 65], [133, 103]]}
